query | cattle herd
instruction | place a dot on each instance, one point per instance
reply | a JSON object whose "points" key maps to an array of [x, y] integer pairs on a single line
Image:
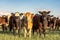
{"points": [[29, 22]]}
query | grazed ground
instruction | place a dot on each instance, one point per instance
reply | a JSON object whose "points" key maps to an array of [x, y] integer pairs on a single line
{"points": [[49, 36]]}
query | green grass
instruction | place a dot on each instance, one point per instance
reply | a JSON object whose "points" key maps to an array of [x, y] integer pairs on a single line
{"points": [[49, 36]]}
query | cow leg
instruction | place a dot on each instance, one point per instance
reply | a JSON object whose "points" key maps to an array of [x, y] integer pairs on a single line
{"points": [[44, 31], [30, 33], [33, 31], [14, 31], [3, 27], [57, 27], [10, 28], [37, 31], [44, 24], [40, 32], [25, 32], [40, 28], [19, 31], [51, 27], [6, 28]]}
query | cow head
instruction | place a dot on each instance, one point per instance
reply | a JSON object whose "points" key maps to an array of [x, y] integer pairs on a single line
{"points": [[28, 14], [21, 14], [57, 17], [49, 17], [16, 13], [44, 13]]}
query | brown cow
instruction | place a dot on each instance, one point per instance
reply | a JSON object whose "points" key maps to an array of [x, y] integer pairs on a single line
{"points": [[36, 23], [40, 22], [51, 22], [0, 22], [4, 23], [11, 20], [0, 19], [43, 20], [57, 23]]}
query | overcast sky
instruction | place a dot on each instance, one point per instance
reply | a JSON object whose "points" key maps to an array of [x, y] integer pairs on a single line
{"points": [[30, 5]]}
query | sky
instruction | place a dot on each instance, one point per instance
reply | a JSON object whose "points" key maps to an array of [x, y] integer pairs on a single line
{"points": [[30, 6]]}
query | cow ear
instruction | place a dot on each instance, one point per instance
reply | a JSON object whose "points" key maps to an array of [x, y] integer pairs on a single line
{"points": [[51, 15], [40, 12], [48, 12]]}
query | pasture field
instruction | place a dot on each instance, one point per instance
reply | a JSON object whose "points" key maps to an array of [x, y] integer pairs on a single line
{"points": [[49, 36]]}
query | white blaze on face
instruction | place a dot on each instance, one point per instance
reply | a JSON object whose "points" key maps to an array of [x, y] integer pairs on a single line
{"points": [[21, 16], [16, 14], [9, 15]]}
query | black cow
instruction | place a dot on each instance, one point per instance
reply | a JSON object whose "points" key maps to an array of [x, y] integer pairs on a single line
{"points": [[36, 23]]}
